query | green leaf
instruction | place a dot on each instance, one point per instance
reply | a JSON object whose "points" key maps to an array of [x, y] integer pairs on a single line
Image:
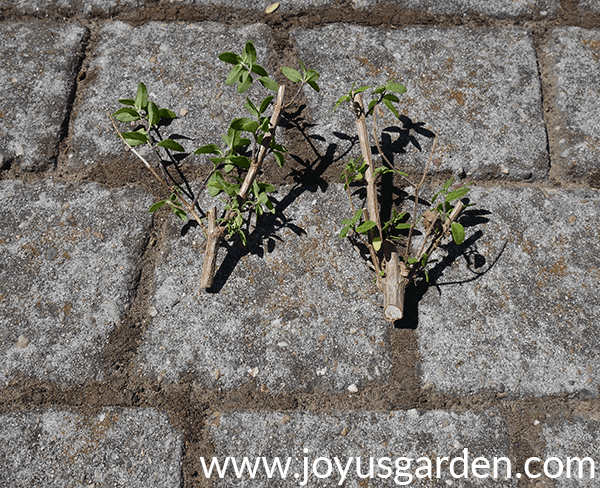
{"points": [[344, 231], [265, 104], [244, 124], [268, 83], [313, 85], [448, 183], [249, 53], [361, 89], [208, 149], [259, 70], [126, 114], [245, 82], [136, 138], [391, 98], [412, 260], [365, 227], [171, 144], [153, 117], [378, 90], [180, 213], [345, 98], [456, 194], [291, 74], [167, 114], [240, 161], [396, 87], [127, 101], [356, 216], [215, 184], [424, 259], [141, 98], [372, 103], [154, 207], [403, 225], [458, 233], [249, 106], [235, 74], [391, 107], [279, 158], [230, 58]]}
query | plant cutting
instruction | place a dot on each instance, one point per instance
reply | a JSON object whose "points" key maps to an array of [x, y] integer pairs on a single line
{"points": [[390, 243], [234, 174]]}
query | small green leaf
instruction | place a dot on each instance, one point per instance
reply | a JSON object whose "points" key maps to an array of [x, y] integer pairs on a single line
{"points": [[136, 138], [365, 227], [361, 89], [208, 149], [127, 101], [391, 98], [244, 124], [456, 194], [265, 104], [268, 83], [391, 107], [141, 98], [154, 207], [180, 213], [279, 158], [396, 87], [171, 144], [448, 183], [245, 82], [313, 85], [240, 161], [458, 233], [291, 74], [378, 90], [230, 58], [372, 103], [249, 106], [167, 114], [259, 70], [345, 98], [344, 231], [153, 116], [235, 74], [127, 114], [249, 53]]}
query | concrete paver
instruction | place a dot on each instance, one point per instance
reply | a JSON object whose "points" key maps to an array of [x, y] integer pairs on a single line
{"points": [[479, 88], [570, 441], [36, 85], [116, 447], [180, 67], [306, 437], [68, 261], [516, 311], [292, 314], [498, 8], [573, 58]]}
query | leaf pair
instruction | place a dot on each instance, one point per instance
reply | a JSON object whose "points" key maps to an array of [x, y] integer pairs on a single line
{"points": [[243, 66], [309, 77]]}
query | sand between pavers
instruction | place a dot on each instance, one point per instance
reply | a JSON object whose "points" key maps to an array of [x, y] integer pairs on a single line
{"points": [[68, 260], [136, 448], [411, 434], [479, 87], [289, 313], [515, 308]]}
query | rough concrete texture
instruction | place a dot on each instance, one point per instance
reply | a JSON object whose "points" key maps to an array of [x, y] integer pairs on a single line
{"points": [[188, 81], [514, 308], [68, 261], [36, 85], [70, 7], [117, 447], [290, 314], [500, 9], [479, 88], [573, 58], [572, 439], [304, 437]]}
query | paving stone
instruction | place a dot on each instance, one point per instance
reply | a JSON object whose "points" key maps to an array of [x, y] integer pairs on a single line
{"points": [[292, 314], [68, 261], [570, 441], [70, 7], [498, 8], [515, 308], [479, 88], [117, 447], [179, 65], [573, 58], [304, 437], [589, 4], [36, 84]]}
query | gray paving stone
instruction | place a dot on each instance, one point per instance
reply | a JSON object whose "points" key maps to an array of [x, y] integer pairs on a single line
{"points": [[292, 314], [497, 8], [572, 441], [304, 437], [36, 84], [517, 310], [179, 65], [590, 4], [117, 447], [574, 67], [70, 7], [479, 88], [68, 261]]}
